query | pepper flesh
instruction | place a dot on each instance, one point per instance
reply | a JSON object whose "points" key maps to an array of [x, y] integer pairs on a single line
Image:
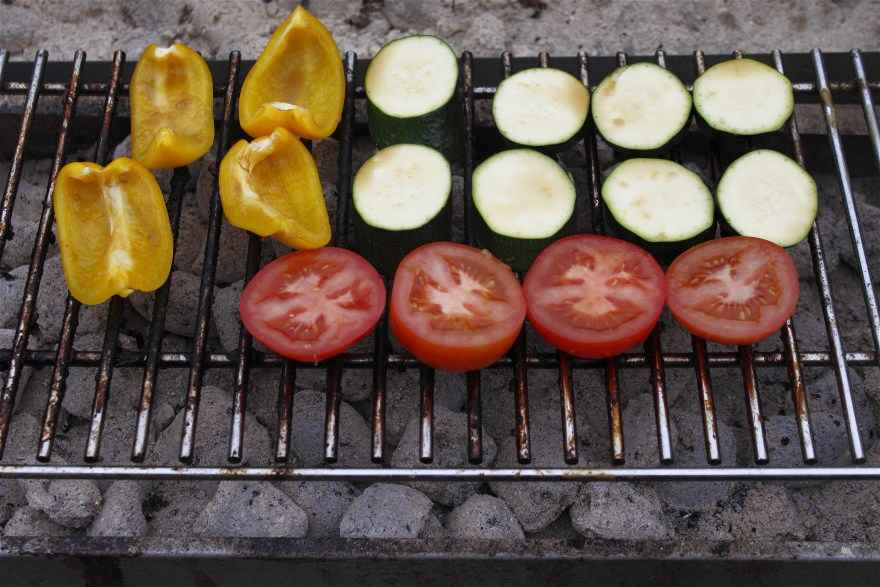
{"points": [[297, 83], [172, 107], [113, 229], [271, 187]]}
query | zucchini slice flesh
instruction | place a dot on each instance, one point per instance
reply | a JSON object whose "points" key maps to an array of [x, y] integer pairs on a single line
{"points": [[402, 187], [743, 97], [523, 194], [641, 107], [658, 200], [412, 76], [768, 195], [540, 107]]}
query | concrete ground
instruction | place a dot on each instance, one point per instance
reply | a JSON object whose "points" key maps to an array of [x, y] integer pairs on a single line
{"points": [[485, 27]]}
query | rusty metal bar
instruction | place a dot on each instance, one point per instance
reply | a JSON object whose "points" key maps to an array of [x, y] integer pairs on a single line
{"points": [[27, 118], [754, 413], [615, 414], [286, 389], [855, 232], [209, 269], [707, 401], [380, 380], [38, 256], [569, 417], [331, 411], [475, 415], [157, 325], [867, 103], [426, 414]]}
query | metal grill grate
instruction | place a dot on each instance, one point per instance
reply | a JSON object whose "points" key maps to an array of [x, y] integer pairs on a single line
{"points": [[478, 82]]}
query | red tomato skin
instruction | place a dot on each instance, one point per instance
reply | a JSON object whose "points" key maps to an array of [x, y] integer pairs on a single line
{"points": [[587, 349], [718, 333], [316, 354], [451, 357]]}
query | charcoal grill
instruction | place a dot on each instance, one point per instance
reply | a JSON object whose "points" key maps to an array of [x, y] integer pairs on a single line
{"points": [[845, 79]]}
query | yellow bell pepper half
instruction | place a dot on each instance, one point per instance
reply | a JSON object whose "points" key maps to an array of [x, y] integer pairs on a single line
{"points": [[172, 107], [113, 229], [270, 187], [297, 83]]}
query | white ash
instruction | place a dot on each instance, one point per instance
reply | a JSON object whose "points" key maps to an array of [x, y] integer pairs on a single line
{"points": [[308, 432], [243, 509], [122, 514], [183, 304], [28, 521], [484, 517], [163, 176], [388, 511], [450, 450], [619, 511], [191, 236], [323, 501], [18, 250]]}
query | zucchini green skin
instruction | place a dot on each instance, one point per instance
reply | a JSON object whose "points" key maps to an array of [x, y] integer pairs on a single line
{"points": [[438, 129], [386, 248], [705, 127], [663, 252], [664, 149], [549, 150], [517, 252]]}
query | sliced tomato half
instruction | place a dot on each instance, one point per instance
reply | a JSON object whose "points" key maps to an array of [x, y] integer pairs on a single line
{"points": [[594, 296], [313, 305], [735, 290], [455, 307]]}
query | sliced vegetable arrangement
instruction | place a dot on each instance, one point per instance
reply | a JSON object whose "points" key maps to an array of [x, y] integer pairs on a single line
{"points": [[641, 108], [735, 290], [271, 187], [172, 107], [768, 195], [312, 305], [113, 229], [544, 108], [455, 307], [743, 97], [411, 88], [658, 204], [402, 200], [297, 82], [594, 296], [525, 200]]}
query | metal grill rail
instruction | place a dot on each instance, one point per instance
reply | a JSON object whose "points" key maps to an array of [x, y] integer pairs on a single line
{"points": [[153, 359]]}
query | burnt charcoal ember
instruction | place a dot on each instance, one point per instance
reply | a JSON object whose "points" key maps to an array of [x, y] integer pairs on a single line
{"points": [[450, 450], [243, 509], [384, 510], [484, 517], [619, 511]]}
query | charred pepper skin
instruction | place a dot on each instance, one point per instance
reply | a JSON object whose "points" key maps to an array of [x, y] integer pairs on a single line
{"points": [[113, 230], [297, 83], [172, 107], [270, 186]]}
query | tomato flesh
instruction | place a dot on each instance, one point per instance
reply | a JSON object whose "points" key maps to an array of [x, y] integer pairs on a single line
{"points": [[313, 305], [594, 296], [455, 307], [735, 290]]}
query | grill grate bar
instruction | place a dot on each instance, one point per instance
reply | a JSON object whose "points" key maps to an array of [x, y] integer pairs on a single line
{"points": [[157, 326], [209, 269], [426, 415], [38, 256], [286, 388], [331, 412], [867, 103], [380, 380]]}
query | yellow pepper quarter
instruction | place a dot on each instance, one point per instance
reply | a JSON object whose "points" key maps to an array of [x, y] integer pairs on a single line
{"points": [[297, 82], [172, 107], [270, 187], [113, 229]]}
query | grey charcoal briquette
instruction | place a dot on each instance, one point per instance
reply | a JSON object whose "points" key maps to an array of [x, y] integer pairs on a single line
{"points": [[50, 305], [28, 521], [619, 511], [308, 432], [183, 303], [70, 503], [244, 509], [388, 511], [323, 501], [121, 514], [484, 517]]}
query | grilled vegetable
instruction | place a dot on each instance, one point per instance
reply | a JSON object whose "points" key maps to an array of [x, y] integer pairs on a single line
{"points": [[401, 200], [658, 204], [743, 97], [525, 200], [410, 86], [297, 83], [735, 290], [172, 107], [312, 305], [270, 187], [113, 229], [542, 107], [455, 307], [767, 195], [641, 108]]}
